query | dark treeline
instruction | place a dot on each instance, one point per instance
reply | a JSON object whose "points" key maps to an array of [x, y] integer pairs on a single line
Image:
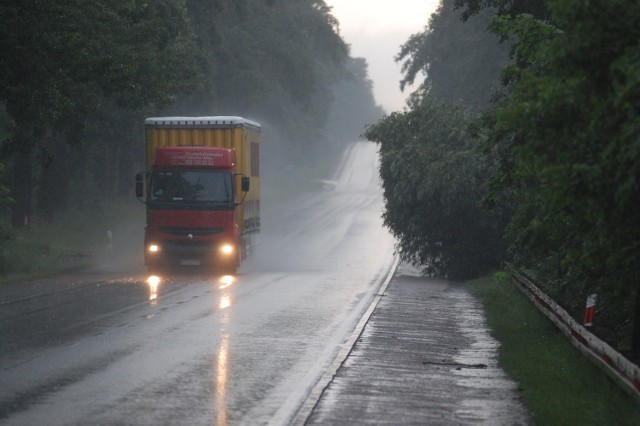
{"points": [[78, 78], [523, 144]]}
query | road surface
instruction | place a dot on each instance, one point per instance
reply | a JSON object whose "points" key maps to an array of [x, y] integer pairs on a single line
{"points": [[195, 349], [311, 330]]}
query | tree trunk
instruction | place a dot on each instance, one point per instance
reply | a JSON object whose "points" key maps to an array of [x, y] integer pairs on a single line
{"points": [[22, 185]]}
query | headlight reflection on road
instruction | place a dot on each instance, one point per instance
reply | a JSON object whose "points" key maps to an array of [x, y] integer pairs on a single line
{"points": [[221, 381], [226, 281], [153, 281], [225, 301]]}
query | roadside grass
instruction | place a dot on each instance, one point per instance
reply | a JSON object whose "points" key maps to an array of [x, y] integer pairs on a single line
{"points": [[74, 240], [558, 384]]}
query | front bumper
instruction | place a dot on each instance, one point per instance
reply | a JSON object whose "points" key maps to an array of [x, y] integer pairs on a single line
{"points": [[190, 253]]}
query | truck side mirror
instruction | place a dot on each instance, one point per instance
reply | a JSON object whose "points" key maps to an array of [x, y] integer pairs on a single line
{"points": [[245, 184], [139, 186]]}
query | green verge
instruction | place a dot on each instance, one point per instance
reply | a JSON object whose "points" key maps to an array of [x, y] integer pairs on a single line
{"points": [[75, 240], [558, 384]]}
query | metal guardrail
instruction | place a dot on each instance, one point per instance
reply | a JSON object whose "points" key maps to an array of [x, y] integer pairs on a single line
{"points": [[615, 365]]}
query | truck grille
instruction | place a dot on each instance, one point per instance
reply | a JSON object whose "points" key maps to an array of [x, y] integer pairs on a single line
{"points": [[179, 231], [171, 245]]}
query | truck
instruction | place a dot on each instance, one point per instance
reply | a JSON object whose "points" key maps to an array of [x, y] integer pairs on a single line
{"points": [[201, 188]]}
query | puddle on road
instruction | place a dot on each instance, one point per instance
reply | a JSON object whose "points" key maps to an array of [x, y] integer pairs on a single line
{"points": [[453, 364], [153, 282]]}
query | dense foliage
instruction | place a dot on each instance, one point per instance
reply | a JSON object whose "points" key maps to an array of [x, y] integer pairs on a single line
{"points": [[78, 78], [461, 60], [571, 133], [560, 144], [63, 61], [433, 178], [432, 170], [537, 8]]}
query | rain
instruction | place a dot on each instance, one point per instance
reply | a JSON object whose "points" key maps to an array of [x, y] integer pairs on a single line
{"points": [[305, 212]]}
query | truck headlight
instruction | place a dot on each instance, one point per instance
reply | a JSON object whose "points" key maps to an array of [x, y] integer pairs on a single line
{"points": [[154, 248], [227, 248]]}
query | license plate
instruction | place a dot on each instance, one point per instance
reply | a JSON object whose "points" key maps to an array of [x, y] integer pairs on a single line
{"points": [[189, 262]]}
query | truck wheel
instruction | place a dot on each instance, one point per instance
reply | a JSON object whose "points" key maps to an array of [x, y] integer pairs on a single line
{"points": [[155, 269], [230, 267]]}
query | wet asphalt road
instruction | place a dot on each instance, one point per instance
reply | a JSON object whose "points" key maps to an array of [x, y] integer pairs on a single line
{"points": [[105, 348]]}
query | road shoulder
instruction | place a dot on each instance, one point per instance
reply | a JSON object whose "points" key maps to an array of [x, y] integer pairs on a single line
{"points": [[424, 357]]}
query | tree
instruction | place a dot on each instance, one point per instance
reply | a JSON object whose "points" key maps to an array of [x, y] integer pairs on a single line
{"points": [[433, 180], [61, 58], [275, 62], [537, 8], [569, 134], [460, 60]]}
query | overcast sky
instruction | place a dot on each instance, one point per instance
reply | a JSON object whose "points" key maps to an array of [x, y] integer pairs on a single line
{"points": [[376, 29]]}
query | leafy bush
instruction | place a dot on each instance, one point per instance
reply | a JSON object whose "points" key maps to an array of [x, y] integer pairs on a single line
{"points": [[433, 177]]}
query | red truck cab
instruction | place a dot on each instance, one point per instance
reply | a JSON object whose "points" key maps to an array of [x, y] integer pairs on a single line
{"points": [[191, 208]]}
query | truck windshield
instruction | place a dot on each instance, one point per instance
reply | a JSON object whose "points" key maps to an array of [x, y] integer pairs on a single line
{"points": [[191, 186]]}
